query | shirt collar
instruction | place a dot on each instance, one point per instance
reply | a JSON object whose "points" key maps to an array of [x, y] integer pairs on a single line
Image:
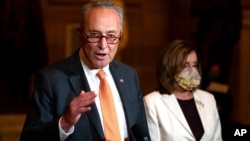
{"points": [[86, 66]]}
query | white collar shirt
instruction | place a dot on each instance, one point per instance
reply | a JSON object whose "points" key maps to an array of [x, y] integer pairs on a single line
{"points": [[94, 83]]}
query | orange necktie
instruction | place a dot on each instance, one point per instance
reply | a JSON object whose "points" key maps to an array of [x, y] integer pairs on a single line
{"points": [[111, 127]]}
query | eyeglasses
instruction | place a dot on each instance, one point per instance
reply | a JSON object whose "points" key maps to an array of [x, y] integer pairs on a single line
{"points": [[96, 37]]}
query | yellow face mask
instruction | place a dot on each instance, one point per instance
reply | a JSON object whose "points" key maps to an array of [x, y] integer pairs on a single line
{"points": [[188, 79]]}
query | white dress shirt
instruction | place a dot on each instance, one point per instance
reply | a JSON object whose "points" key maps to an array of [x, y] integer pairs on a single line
{"points": [[94, 83]]}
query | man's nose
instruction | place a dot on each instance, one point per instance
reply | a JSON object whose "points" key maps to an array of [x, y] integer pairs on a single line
{"points": [[103, 43]]}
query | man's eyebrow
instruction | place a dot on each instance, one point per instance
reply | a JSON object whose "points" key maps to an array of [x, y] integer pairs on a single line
{"points": [[96, 31], [111, 31]]}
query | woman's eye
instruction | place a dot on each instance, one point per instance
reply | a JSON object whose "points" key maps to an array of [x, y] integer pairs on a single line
{"points": [[195, 65]]}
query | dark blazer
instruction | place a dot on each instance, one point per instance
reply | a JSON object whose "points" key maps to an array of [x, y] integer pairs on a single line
{"points": [[56, 85]]}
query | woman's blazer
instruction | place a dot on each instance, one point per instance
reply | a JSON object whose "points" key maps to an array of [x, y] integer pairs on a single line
{"points": [[167, 122]]}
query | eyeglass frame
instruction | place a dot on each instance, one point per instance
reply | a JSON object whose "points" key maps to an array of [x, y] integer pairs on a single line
{"points": [[100, 37]]}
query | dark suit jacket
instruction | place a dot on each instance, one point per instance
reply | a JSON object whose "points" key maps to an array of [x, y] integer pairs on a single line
{"points": [[56, 85]]}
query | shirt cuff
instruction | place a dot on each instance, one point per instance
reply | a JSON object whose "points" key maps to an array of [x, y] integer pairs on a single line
{"points": [[63, 134]]}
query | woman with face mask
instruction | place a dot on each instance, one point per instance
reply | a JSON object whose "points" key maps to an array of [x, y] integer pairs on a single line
{"points": [[179, 110]]}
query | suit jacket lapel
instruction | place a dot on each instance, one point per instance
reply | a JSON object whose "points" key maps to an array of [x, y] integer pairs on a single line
{"points": [[79, 82], [201, 110], [173, 105], [119, 79]]}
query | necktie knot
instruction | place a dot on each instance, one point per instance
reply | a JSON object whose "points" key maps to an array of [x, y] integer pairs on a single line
{"points": [[101, 74]]}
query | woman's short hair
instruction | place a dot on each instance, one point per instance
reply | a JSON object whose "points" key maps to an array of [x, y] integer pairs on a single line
{"points": [[172, 62]]}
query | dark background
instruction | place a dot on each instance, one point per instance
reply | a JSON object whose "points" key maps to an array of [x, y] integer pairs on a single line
{"points": [[34, 33]]}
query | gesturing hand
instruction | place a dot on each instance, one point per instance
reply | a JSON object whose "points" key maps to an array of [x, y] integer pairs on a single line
{"points": [[77, 106]]}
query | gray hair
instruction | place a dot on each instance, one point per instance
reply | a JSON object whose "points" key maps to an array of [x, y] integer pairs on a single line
{"points": [[101, 4]]}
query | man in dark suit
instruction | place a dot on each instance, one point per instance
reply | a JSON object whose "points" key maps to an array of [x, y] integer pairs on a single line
{"points": [[65, 103]]}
